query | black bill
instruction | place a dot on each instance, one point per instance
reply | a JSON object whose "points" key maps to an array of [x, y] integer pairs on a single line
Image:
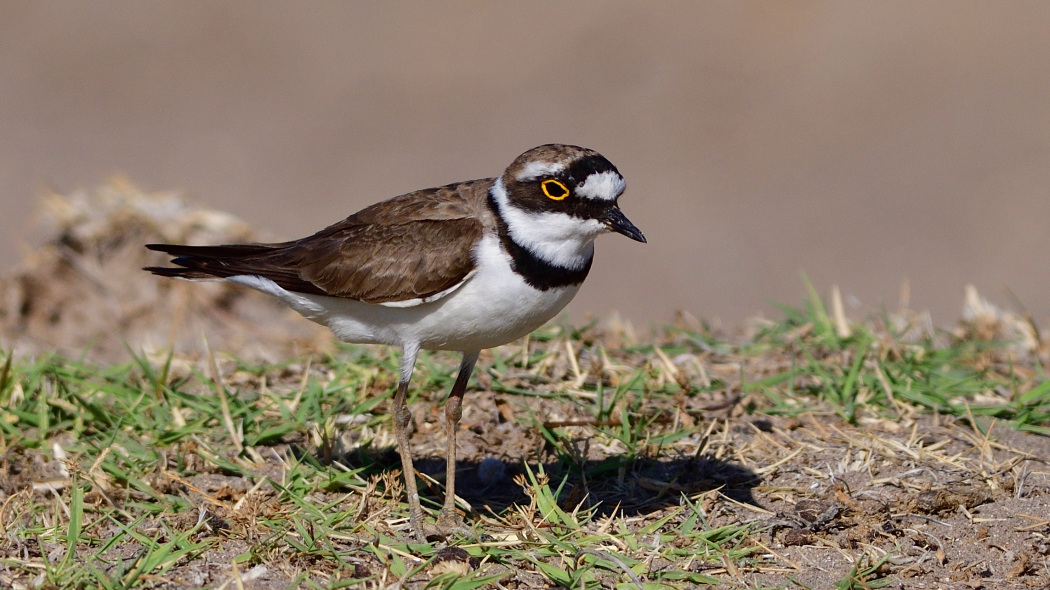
{"points": [[618, 222]]}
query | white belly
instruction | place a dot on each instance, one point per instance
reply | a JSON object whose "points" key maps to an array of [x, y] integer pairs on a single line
{"points": [[493, 307]]}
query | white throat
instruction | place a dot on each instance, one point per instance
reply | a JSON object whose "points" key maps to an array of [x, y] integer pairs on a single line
{"points": [[557, 238]]}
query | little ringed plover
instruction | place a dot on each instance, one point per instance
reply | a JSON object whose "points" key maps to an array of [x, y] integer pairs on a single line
{"points": [[461, 267]]}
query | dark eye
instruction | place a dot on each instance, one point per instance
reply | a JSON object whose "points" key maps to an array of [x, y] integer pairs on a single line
{"points": [[554, 189]]}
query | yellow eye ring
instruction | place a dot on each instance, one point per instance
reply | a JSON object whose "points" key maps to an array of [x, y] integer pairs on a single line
{"points": [[560, 190]]}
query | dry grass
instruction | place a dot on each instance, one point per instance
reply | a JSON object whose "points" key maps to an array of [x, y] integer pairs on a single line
{"points": [[788, 456], [810, 452]]}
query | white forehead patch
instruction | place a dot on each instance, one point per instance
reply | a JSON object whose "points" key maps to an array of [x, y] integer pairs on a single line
{"points": [[536, 169], [602, 186]]}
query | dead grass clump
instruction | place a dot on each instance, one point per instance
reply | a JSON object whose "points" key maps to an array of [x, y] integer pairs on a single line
{"points": [[83, 291]]}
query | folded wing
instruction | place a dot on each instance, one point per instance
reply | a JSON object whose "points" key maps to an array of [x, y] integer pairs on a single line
{"points": [[375, 256]]}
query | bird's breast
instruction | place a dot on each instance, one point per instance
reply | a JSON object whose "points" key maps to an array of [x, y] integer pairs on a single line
{"points": [[494, 307]]}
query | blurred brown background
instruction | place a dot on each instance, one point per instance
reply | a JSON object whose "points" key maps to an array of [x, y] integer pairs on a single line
{"points": [[864, 143]]}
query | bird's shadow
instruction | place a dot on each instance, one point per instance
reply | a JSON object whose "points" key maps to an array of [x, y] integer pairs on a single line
{"points": [[628, 486]]}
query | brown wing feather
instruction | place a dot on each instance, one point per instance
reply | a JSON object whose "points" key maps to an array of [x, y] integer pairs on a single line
{"points": [[382, 263], [412, 246]]}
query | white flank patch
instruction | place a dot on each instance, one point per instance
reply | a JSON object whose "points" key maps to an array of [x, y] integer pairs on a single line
{"points": [[429, 298], [603, 186], [534, 170], [308, 307], [296, 301], [558, 238]]}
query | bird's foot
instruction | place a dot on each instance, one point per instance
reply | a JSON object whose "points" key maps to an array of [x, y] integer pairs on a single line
{"points": [[445, 528], [449, 525]]}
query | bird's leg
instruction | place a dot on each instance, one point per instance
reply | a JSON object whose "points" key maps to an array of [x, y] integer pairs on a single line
{"points": [[402, 421], [449, 519]]}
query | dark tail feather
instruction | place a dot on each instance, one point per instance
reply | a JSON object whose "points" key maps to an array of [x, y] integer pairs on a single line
{"points": [[227, 251], [221, 262], [180, 273], [206, 262]]}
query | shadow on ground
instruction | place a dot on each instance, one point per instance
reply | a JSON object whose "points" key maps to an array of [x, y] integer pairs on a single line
{"points": [[617, 484]]}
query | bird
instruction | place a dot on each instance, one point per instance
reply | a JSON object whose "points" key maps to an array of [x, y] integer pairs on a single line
{"points": [[462, 267]]}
